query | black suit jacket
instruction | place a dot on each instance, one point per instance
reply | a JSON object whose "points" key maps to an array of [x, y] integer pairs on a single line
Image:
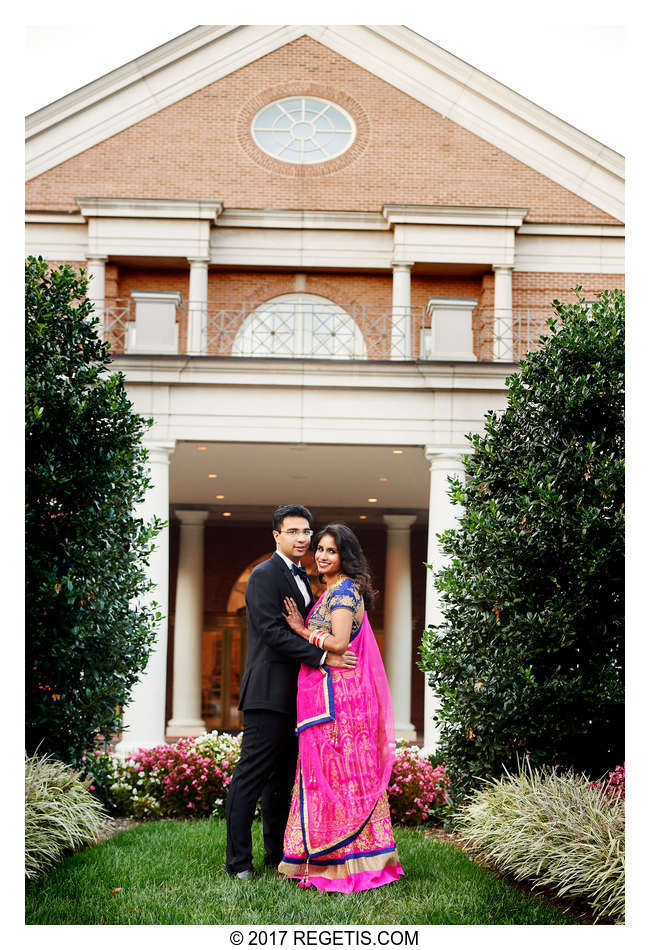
{"points": [[274, 651]]}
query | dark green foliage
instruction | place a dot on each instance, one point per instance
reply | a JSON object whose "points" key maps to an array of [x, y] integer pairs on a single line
{"points": [[87, 635], [529, 658]]}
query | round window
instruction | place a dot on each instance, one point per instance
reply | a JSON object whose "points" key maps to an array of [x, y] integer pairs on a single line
{"points": [[303, 130]]}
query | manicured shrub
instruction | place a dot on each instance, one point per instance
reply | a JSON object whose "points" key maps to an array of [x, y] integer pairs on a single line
{"points": [[417, 791], [556, 830], [529, 656], [60, 813], [89, 625]]}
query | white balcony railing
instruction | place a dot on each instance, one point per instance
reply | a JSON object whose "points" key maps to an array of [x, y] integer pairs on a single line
{"points": [[163, 325]]}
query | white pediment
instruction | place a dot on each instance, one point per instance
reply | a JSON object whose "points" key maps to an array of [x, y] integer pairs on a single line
{"points": [[395, 54]]}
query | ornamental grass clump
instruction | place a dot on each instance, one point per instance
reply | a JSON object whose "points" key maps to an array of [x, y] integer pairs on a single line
{"points": [[556, 830], [60, 813], [417, 790]]}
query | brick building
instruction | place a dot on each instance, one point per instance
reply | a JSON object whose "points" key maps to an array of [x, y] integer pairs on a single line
{"points": [[318, 252]]}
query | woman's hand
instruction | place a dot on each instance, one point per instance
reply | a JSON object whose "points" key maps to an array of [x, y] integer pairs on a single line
{"points": [[294, 618]]}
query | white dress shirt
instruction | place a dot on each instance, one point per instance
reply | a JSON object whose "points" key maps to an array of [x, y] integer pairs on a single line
{"points": [[302, 587]]}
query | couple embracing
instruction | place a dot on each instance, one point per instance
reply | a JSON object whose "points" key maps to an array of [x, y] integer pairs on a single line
{"points": [[319, 738]]}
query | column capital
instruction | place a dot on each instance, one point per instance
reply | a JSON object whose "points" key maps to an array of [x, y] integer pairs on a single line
{"points": [[402, 264], [96, 258], [160, 450], [498, 267], [399, 522], [191, 516], [199, 260], [445, 457]]}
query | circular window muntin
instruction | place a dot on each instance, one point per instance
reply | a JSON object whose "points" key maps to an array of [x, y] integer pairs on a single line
{"points": [[284, 125]]}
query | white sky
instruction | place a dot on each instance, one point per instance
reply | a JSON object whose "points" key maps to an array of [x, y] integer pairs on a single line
{"points": [[574, 70]]}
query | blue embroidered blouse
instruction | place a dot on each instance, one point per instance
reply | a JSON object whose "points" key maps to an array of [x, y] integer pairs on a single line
{"points": [[344, 594]]}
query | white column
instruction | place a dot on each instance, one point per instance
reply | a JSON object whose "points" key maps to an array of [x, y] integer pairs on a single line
{"points": [[503, 344], [398, 620], [197, 305], [188, 628], [442, 515], [96, 268], [144, 716], [401, 329]]}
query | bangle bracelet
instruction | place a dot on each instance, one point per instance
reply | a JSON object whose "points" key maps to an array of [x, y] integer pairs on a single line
{"points": [[318, 638]]}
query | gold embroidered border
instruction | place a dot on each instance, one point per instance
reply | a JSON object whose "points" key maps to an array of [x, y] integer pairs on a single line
{"points": [[336, 871], [328, 708]]}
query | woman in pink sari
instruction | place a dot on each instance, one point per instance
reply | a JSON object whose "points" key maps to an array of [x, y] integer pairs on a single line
{"points": [[339, 835]]}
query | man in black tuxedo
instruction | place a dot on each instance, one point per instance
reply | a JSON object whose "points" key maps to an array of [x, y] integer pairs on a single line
{"points": [[269, 751]]}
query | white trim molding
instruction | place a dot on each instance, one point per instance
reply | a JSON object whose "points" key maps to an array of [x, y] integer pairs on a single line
{"points": [[150, 208], [395, 54], [454, 214]]}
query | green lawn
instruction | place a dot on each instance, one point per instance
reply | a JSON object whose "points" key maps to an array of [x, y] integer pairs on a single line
{"points": [[172, 872]]}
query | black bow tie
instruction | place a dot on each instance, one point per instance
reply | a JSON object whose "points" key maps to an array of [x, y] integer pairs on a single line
{"points": [[297, 570]]}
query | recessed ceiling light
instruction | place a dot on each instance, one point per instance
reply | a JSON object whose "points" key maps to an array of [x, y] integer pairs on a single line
{"points": [[226, 514], [398, 451], [363, 517], [201, 448], [372, 500], [212, 475], [219, 496], [382, 478]]}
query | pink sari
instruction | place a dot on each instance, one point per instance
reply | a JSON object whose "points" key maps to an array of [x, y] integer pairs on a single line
{"points": [[339, 836]]}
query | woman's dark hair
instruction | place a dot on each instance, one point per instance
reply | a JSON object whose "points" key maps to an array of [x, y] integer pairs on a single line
{"points": [[353, 561]]}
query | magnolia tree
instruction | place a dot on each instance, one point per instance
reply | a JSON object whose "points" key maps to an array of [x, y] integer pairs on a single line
{"points": [[529, 657], [88, 631]]}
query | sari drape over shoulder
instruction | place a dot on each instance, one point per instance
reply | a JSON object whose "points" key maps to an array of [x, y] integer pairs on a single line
{"points": [[339, 835]]}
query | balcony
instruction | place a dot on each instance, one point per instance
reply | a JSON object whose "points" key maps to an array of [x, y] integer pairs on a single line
{"points": [[155, 324]]}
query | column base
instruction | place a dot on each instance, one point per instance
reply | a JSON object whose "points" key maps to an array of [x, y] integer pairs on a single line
{"points": [[405, 731], [129, 745], [180, 728]]}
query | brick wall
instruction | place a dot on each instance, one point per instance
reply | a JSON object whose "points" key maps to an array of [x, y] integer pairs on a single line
{"points": [[406, 153]]}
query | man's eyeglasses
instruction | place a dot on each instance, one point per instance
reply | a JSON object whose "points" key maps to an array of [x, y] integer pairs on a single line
{"points": [[294, 532]]}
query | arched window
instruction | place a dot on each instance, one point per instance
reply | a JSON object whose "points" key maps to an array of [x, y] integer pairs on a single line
{"points": [[300, 325]]}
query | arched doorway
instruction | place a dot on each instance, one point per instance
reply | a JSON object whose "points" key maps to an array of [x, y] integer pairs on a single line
{"points": [[300, 325]]}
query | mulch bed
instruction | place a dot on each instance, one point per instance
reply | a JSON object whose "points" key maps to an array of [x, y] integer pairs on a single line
{"points": [[582, 913]]}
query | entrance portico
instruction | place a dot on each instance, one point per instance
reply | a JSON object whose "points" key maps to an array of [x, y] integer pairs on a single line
{"points": [[354, 443]]}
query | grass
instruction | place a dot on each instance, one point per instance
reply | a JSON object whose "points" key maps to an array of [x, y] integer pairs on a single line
{"points": [[172, 872]]}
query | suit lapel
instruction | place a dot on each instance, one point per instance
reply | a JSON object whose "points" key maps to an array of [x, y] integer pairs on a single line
{"points": [[297, 595]]}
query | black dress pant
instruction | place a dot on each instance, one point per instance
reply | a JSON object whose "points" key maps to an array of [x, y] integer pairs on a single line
{"points": [[266, 767]]}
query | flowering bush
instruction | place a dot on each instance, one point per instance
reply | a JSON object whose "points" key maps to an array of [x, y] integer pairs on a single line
{"points": [[417, 791], [614, 787], [104, 771], [188, 779]]}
